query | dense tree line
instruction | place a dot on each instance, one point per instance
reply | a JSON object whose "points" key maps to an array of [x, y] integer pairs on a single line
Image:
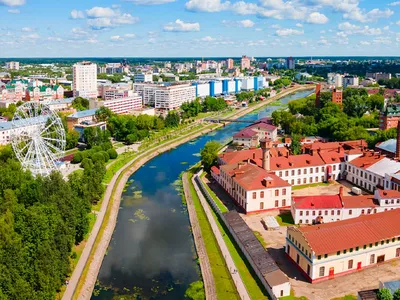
{"points": [[114, 78], [80, 103], [192, 109], [40, 220], [393, 83], [348, 122]]}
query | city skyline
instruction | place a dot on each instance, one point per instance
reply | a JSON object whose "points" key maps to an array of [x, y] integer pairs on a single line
{"points": [[193, 28]]}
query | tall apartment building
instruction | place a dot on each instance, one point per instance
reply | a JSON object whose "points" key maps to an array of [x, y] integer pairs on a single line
{"points": [[290, 63], [120, 105], [350, 80], [335, 79], [12, 65], [245, 62], [85, 79], [165, 97], [229, 63], [144, 77]]}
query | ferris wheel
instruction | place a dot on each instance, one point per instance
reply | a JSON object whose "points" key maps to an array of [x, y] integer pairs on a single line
{"points": [[38, 138]]}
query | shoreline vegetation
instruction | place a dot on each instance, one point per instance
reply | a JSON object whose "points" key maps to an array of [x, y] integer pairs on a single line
{"points": [[85, 274]]}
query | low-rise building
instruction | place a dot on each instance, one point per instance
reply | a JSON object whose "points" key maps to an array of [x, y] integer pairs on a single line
{"points": [[325, 251], [8, 129], [12, 65], [143, 77], [121, 105], [250, 136], [40, 93], [79, 117]]}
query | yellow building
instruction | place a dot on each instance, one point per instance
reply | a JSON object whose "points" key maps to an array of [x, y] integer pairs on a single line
{"points": [[333, 249]]}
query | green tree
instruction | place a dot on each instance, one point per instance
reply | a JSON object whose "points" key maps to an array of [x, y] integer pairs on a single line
{"points": [[80, 103], [172, 119], [384, 294], [72, 138], [112, 153], [396, 295], [209, 154], [103, 114], [295, 146], [77, 158]]}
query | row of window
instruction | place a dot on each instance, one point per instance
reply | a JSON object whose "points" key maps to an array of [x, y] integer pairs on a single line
{"points": [[262, 194], [307, 212], [311, 171], [364, 174], [365, 247], [300, 247], [276, 204]]}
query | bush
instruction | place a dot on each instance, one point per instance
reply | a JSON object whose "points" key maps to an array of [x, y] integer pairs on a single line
{"points": [[112, 153], [196, 291], [77, 158], [98, 157], [105, 155], [86, 162], [106, 146], [384, 294]]}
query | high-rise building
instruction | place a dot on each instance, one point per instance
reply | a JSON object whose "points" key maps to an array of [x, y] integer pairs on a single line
{"points": [[12, 65], [350, 80], [290, 63], [245, 62], [229, 63], [335, 79], [85, 79]]}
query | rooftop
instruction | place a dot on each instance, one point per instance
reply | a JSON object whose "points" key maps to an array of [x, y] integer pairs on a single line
{"points": [[83, 113], [389, 146], [245, 133], [356, 232]]}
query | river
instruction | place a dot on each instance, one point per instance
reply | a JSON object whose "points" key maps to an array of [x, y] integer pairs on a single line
{"points": [[152, 254]]}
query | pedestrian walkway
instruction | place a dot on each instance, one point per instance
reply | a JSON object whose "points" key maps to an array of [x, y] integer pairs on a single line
{"points": [[240, 287], [208, 278]]}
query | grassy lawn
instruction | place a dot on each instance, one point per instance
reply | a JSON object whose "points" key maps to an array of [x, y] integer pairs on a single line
{"points": [[223, 281], [347, 297], [260, 238], [300, 187], [285, 219], [219, 203]]}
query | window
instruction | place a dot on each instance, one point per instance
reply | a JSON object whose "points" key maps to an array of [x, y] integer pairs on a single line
{"points": [[301, 222], [307, 213], [261, 205], [261, 194], [316, 169], [284, 202], [306, 221], [323, 169], [280, 173], [276, 203], [344, 251], [334, 168], [286, 173], [398, 252], [301, 213], [351, 249], [311, 180], [305, 171], [372, 259], [298, 172], [311, 170], [254, 195], [284, 192], [326, 256], [298, 181], [362, 211], [368, 211], [276, 192], [332, 212], [338, 253], [292, 172], [357, 248], [350, 264], [338, 212], [319, 256], [321, 271], [313, 213], [326, 213], [350, 212], [304, 180], [292, 181]]}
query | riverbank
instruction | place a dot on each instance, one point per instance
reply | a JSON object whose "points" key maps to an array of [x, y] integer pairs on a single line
{"points": [[92, 256]]}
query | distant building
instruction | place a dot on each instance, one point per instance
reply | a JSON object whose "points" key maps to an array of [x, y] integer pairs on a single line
{"points": [[350, 80], [245, 62], [250, 136], [120, 105], [44, 93], [335, 79], [229, 63], [379, 76], [88, 115], [389, 117], [143, 77], [329, 250], [85, 79], [8, 129], [290, 63], [12, 65], [337, 96]]}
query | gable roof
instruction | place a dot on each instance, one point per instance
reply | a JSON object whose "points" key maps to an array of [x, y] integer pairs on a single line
{"points": [[245, 133], [356, 232]]}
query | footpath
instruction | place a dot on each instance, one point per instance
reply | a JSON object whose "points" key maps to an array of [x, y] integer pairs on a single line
{"points": [[97, 257]]}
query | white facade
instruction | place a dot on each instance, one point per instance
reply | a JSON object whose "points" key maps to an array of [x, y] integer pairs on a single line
{"points": [[203, 89], [12, 65], [335, 79], [247, 84], [350, 81], [8, 129], [143, 77], [122, 105], [172, 97], [85, 80]]}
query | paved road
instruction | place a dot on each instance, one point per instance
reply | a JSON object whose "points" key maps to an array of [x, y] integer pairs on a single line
{"points": [[208, 278], [240, 287]]}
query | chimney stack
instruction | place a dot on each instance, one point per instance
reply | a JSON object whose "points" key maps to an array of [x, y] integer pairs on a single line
{"points": [[341, 191], [265, 146], [398, 141]]}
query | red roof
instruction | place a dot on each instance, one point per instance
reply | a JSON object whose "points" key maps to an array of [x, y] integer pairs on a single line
{"points": [[251, 177], [387, 194], [366, 160], [215, 170], [317, 202], [296, 161], [356, 232], [245, 133], [358, 202], [264, 126]]}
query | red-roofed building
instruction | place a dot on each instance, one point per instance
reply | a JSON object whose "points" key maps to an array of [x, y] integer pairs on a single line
{"points": [[253, 188], [325, 251], [250, 136]]}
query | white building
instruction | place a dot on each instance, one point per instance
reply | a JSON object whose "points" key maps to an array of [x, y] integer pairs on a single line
{"points": [[350, 80], [12, 65], [8, 129], [143, 77], [121, 105], [85, 79], [335, 79], [250, 136]]}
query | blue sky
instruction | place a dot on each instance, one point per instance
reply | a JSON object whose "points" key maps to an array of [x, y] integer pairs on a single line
{"points": [[145, 28]]}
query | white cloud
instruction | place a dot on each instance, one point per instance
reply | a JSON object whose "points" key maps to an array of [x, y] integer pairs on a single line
{"points": [[317, 18], [33, 36], [124, 19], [288, 32], [12, 2], [27, 29], [246, 23], [347, 26], [100, 12], [398, 23], [258, 29], [257, 43], [181, 26], [54, 39], [116, 38], [348, 29], [208, 39], [77, 14], [150, 2], [79, 31], [341, 34], [394, 3], [243, 8], [130, 35], [365, 43], [100, 23], [382, 40], [275, 26], [323, 42], [299, 25], [303, 43], [207, 5], [13, 11], [371, 16], [386, 28]]}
